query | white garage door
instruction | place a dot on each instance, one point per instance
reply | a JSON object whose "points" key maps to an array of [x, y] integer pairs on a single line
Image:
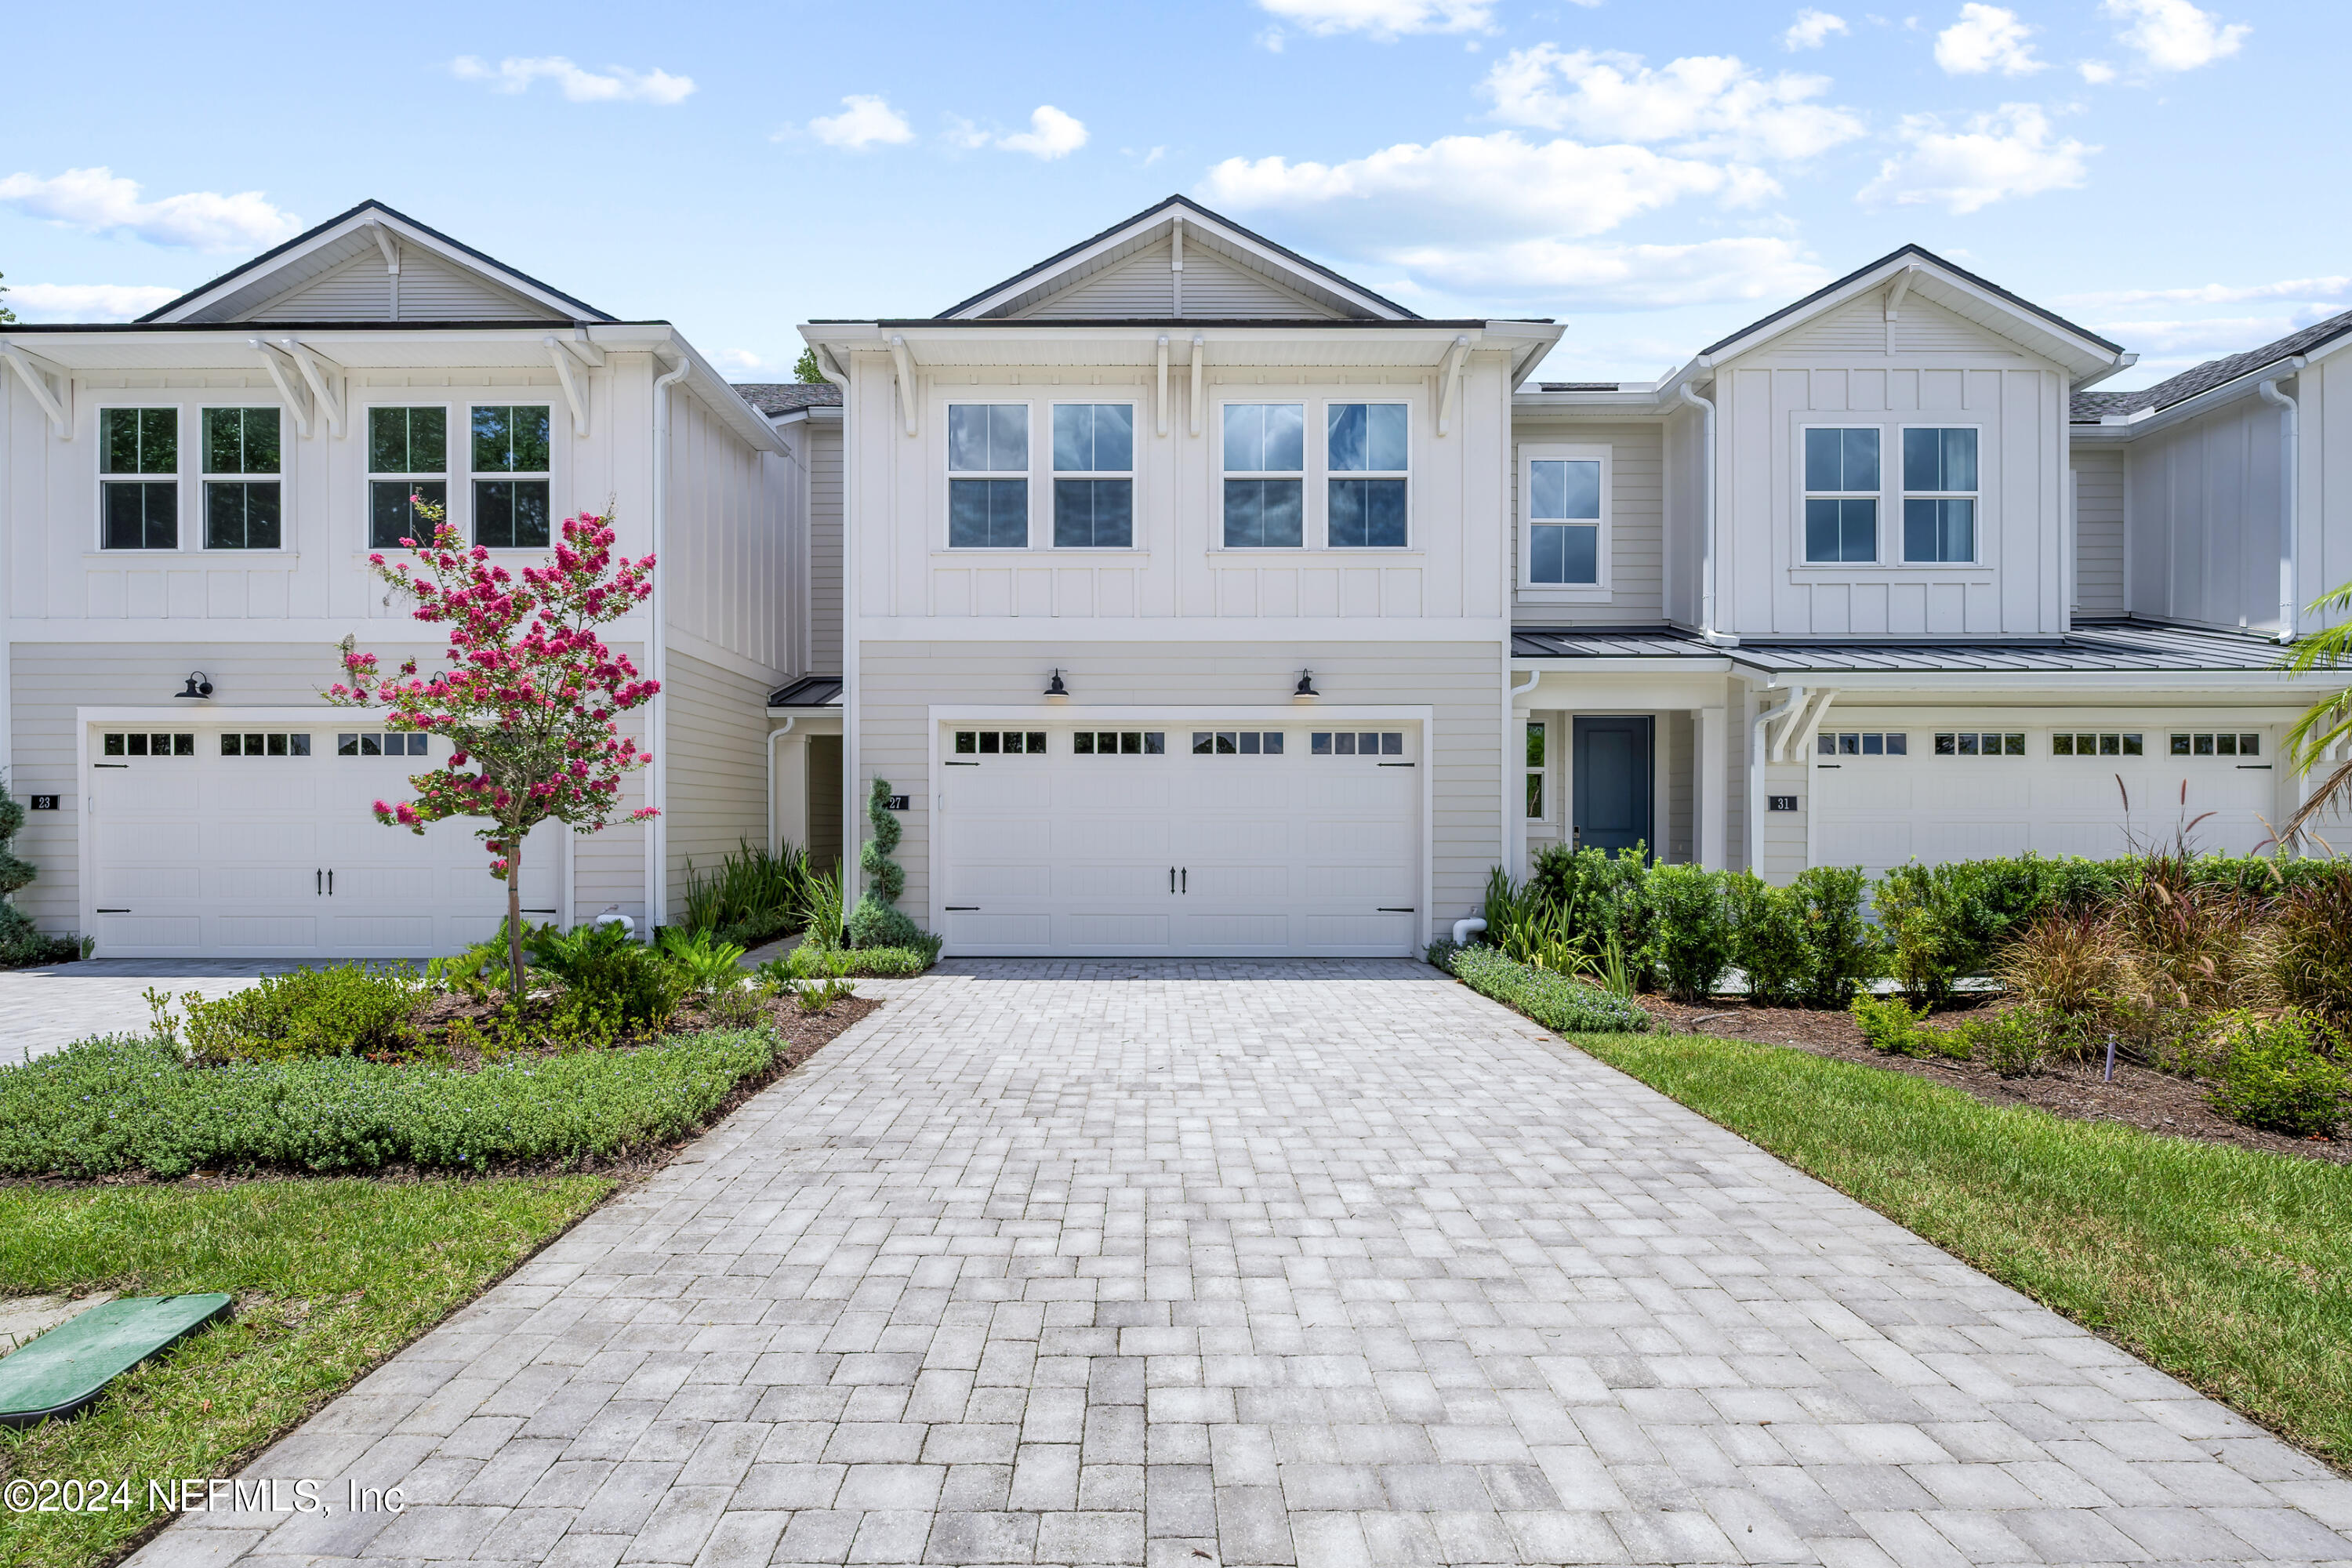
{"points": [[1887, 794], [212, 842], [1170, 839]]}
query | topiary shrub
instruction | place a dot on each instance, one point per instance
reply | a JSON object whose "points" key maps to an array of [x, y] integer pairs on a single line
{"points": [[876, 921]]}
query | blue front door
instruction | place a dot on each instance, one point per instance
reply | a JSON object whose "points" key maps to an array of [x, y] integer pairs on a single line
{"points": [[1612, 783]]}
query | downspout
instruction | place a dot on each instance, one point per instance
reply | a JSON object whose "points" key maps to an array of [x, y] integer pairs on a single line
{"points": [[2290, 440], [1755, 769], [772, 739], [657, 662], [1707, 512]]}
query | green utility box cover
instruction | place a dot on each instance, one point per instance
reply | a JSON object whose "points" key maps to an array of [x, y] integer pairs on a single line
{"points": [[64, 1370]]}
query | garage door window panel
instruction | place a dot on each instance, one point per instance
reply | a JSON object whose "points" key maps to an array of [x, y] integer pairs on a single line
{"points": [[988, 475], [148, 743], [408, 461], [1265, 475], [265, 744], [138, 485], [1841, 493]]}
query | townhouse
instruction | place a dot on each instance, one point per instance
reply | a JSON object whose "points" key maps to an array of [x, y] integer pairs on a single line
{"points": [[1190, 598]]}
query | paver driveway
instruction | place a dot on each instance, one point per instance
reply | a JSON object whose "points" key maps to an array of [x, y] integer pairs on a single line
{"points": [[1204, 1266]]}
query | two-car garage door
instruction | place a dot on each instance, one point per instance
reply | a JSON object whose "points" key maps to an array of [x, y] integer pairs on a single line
{"points": [[260, 842], [1165, 837]]}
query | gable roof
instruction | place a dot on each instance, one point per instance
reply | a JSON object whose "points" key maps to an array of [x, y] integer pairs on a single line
{"points": [[774, 398], [2090, 407], [1956, 289], [1279, 265], [317, 251]]}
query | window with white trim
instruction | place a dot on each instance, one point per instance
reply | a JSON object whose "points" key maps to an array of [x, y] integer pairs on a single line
{"points": [[1265, 475], [1366, 450], [241, 486], [511, 510], [1538, 748], [1563, 497], [988, 475], [1841, 494], [1940, 494], [1093, 476], [408, 461], [139, 479]]}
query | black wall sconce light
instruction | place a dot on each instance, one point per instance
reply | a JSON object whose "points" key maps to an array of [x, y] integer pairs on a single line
{"points": [[1305, 687], [1056, 690], [200, 685]]}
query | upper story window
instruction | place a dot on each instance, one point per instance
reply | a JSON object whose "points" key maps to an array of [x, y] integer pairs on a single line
{"points": [[1842, 494], [1940, 494], [1367, 453], [510, 511], [139, 485], [1093, 476], [988, 475], [241, 508], [1265, 475], [409, 456], [1565, 492]]}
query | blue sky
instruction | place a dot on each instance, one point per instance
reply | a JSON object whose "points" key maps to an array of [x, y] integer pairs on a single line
{"points": [[1653, 173]]}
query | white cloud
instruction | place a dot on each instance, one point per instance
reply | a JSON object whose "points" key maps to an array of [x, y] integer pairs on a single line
{"points": [[1705, 104], [97, 201], [2007, 152], [1480, 187], [1384, 18], [2097, 72], [2173, 35], [864, 121], [1562, 274], [614, 84], [2222, 294], [1987, 38], [84, 301], [1812, 29], [1050, 134], [2204, 339]]}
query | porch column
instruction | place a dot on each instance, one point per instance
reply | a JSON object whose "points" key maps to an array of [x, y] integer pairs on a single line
{"points": [[1712, 784]]}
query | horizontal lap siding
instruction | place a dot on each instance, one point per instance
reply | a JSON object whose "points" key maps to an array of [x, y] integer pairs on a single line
{"points": [[825, 547], [2099, 531], [899, 682], [1636, 521], [717, 784]]}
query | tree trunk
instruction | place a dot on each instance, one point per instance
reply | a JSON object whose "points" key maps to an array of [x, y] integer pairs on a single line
{"points": [[514, 915]]}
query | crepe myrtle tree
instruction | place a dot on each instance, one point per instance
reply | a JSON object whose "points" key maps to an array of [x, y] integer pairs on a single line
{"points": [[530, 696]]}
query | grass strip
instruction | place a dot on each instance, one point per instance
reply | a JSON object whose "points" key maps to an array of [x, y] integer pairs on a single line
{"points": [[331, 1277], [2230, 1269]]}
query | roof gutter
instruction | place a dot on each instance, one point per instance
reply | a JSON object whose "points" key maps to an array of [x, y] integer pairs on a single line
{"points": [[2290, 440], [1707, 562]]}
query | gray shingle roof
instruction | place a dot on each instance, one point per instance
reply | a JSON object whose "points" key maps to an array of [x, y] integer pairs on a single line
{"points": [[2090, 406], [2117, 645], [774, 398]]}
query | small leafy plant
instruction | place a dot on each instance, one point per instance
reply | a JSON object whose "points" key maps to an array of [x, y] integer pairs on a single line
{"points": [[2276, 1077], [1890, 1025]]}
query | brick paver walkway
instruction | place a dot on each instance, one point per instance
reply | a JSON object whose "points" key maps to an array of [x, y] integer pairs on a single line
{"points": [[1204, 1266], [55, 1004]]}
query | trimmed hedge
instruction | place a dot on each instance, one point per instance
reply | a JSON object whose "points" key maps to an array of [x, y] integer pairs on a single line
{"points": [[1567, 1006], [126, 1103]]}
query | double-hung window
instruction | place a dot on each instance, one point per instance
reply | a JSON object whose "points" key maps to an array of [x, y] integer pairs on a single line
{"points": [[139, 482], [1841, 494], [988, 475], [1093, 476], [1367, 456], [1940, 494], [408, 461], [512, 477], [1265, 475], [1564, 501], [241, 485]]}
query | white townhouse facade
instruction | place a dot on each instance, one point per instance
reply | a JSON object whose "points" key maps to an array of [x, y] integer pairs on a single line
{"points": [[187, 505], [1196, 600]]}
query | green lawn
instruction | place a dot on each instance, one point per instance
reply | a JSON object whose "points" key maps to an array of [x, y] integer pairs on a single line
{"points": [[2231, 1269], [331, 1277]]}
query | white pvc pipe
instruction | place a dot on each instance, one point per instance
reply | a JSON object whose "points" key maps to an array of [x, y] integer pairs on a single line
{"points": [[2290, 439], [657, 663], [1464, 929]]}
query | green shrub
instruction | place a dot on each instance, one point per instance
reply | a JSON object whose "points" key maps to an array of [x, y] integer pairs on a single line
{"points": [[1769, 939], [2273, 1076], [1886, 1025], [1604, 893], [1567, 1006], [2014, 1043], [1845, 953], [708, 963], [1527, 927], [890, 963], [610, 983], [345, 1010], [752, 888], [1690, 929], [874, 923], [2309, 950], [109, 1105]]}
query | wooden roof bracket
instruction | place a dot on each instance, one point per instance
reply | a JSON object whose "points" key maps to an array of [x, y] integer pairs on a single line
{"points": [[292, 388], [317, 373], [904, 359], [1159, 407], [1199, 381], [1449, 381], [56, 402]]}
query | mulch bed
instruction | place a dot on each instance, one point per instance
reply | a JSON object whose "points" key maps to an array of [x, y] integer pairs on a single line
{"points": [[2139, 1096]]}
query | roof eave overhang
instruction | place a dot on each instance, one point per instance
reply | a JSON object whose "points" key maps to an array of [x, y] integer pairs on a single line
{"points": [[1399, 343], [2148, 421]]}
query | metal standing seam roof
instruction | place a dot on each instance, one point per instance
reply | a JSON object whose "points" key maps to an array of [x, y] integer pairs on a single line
{"points": [[808, 691], [2091, 645]]}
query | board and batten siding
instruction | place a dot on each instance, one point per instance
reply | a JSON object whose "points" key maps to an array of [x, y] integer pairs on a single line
{"points": [[1635, 523], [2204, 519], [717, 726], [1453, 567], [2099, 531], [823, 450], [899, 682], [728, 552]]}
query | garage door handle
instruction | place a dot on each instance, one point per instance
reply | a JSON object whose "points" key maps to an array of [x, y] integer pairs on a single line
{"points": [[1171, 878], [331, 884], [317, 883], [1188, 880]]}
